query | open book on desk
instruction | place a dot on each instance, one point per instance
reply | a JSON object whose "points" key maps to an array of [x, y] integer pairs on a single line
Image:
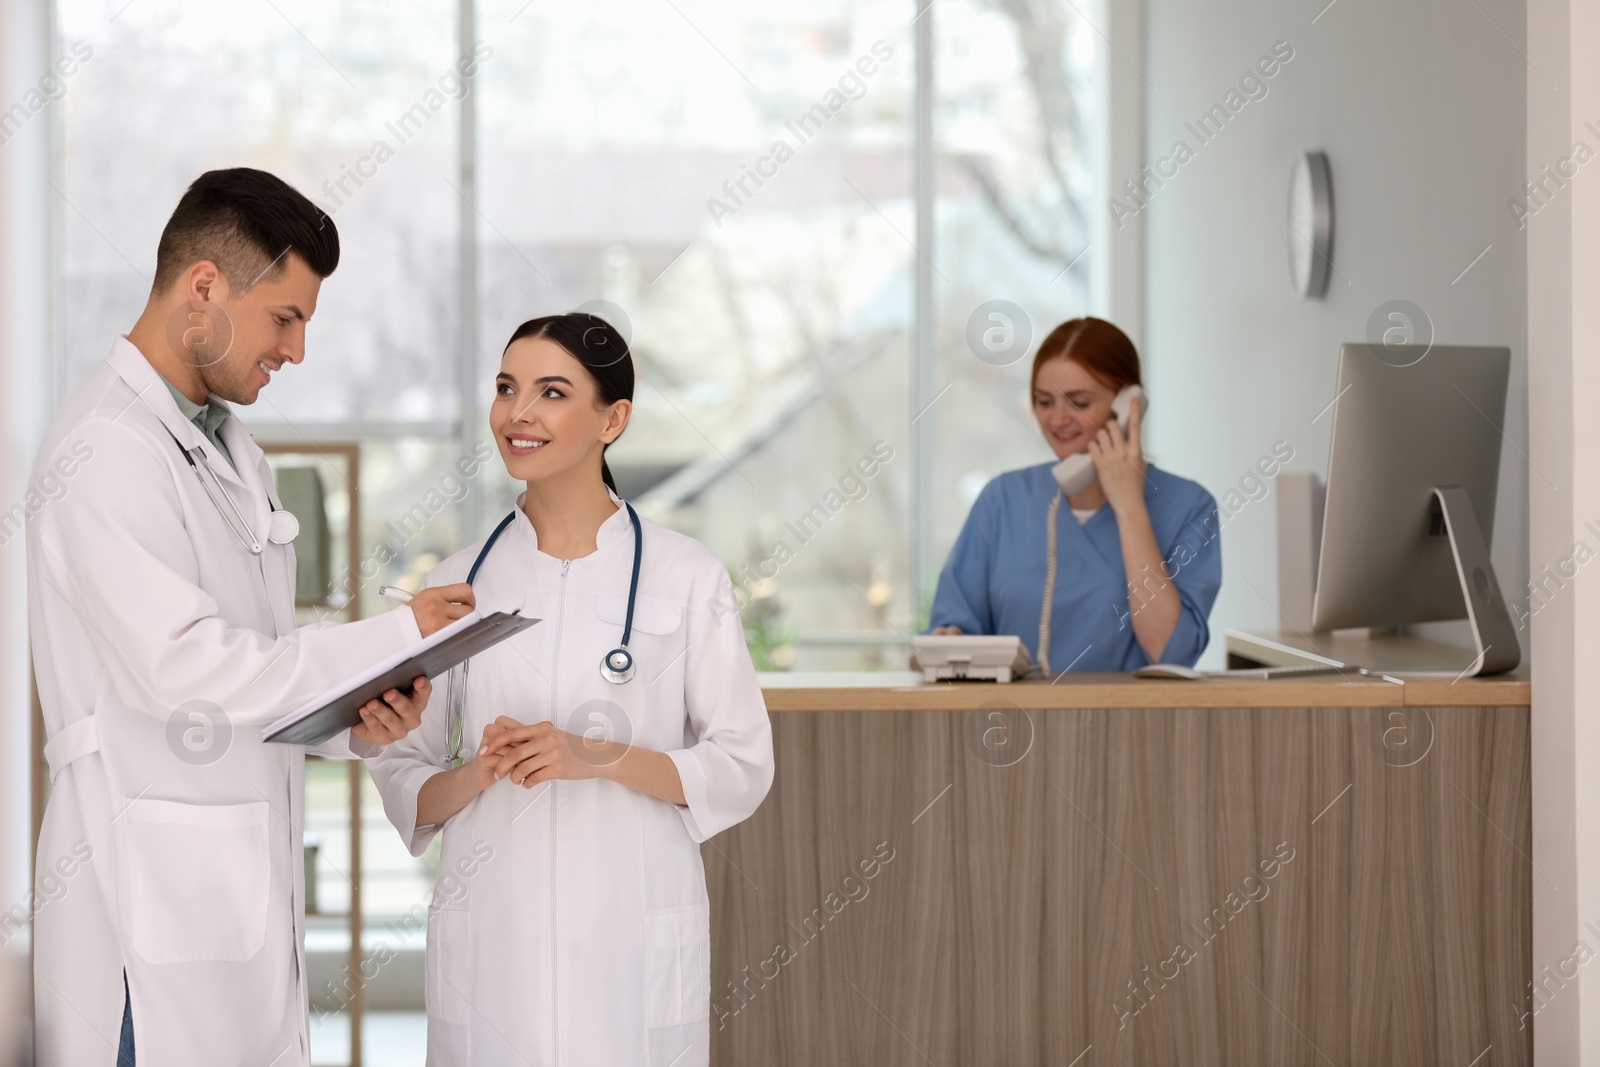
{"points": [[340, 708]]}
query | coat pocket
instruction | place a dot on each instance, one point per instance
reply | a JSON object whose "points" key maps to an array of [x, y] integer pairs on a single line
{"points": [[449, 983], [196, 878], [651, 614], [677, 965]]}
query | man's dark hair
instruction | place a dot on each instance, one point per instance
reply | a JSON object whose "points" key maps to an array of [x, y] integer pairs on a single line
{"points": [[245, 221]]}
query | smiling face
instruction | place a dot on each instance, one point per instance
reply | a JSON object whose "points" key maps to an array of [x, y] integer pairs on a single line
{"points": [[546, 416], [1070, 404], [236, 344]]}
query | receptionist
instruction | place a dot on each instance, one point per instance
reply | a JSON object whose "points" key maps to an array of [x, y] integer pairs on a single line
{"points": [[1121, 576]]}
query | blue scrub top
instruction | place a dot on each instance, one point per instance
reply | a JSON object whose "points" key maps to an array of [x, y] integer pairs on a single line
{"points": [[993, 582]]}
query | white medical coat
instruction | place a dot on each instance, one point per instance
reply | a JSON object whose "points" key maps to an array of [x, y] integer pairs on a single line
{"points": [[570, 923], [141, 603]]}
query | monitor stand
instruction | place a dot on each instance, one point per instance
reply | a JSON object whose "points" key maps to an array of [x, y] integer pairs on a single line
{"points": [[1494, 638], [1493, 635]]}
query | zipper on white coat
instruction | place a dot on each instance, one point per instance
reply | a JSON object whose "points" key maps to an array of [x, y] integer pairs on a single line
{"points": [[555, 882]]}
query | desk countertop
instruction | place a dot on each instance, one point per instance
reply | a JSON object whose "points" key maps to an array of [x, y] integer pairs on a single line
{"points": [[905, 691]]}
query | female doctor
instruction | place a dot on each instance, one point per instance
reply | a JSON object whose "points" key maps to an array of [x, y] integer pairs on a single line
{"points": [[570, 922], [1126, 574]]}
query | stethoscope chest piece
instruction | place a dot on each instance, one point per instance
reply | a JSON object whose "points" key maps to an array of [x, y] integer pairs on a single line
{"points": [[283, 528], [617, 666]]}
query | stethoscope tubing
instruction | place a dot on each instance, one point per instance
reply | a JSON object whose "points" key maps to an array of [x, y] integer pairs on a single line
{"points": [[455, 694], [633, 582], [214, 488]]}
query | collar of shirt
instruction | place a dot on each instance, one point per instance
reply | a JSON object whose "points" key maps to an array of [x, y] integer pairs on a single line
{"points": [[209, 416]]}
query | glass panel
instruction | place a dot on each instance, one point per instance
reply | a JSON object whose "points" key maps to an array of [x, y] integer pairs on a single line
{"points": [[414, 493], [327, 839], [1019, 122], [350, 102], [736, 179], [317, 485]]}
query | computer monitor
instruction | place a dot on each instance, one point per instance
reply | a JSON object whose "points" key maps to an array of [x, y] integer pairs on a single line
{"points": [[1409, 512]]}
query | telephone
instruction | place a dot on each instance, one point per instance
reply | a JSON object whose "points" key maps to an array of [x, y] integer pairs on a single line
{"points": [[1076, 472]]}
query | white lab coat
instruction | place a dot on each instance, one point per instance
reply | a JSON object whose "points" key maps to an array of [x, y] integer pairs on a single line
{"points": [[141, 600], [570, 924]]}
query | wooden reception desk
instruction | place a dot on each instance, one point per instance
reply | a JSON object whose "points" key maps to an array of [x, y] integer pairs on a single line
{"points": [[1110, 870]]}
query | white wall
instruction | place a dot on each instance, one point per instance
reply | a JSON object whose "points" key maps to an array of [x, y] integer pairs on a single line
{"points": [[1564, 379], [1433, 121], [1420, 107], [24, 349]]}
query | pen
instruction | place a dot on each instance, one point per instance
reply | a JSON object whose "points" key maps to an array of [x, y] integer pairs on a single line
{"points": [[394, 593]]}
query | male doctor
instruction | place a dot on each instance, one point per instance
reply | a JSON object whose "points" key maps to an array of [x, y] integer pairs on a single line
{"points": [[161, 610]]}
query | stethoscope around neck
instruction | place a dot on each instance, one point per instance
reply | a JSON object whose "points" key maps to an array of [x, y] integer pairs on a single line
{"points": [[616, 666], [283, 527]]}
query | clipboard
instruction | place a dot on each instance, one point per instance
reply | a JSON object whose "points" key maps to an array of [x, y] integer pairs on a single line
{"points": [[338, 710]]}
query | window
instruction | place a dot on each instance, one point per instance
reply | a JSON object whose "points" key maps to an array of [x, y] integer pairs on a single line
{"points": [[737, 185], [734, 182], [1020, 127]]}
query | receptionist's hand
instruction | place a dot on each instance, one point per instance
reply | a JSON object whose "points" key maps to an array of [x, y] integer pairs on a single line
{"points": [[915, 663], [1119, 461]]}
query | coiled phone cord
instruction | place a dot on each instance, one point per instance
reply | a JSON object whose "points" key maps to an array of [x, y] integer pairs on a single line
{"points": [[1049, 582]]}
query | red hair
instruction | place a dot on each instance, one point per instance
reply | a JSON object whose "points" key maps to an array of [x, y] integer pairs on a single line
{"points": [[1097, 346]]}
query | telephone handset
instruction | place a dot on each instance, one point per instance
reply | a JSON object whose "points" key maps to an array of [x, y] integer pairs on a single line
{"points": [[1076, 473]]}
